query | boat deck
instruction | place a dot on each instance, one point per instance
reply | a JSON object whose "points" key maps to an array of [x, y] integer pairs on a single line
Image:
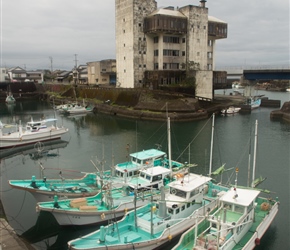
{"points": [[188, 238]]}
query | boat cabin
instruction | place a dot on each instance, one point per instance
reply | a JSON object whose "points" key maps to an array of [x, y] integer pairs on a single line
{"points": [[189, 187], [154, 177], [236, 213], [140, 160]]}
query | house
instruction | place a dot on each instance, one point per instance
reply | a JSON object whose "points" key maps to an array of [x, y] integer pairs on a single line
{"points": [[102, 72], [17, 74]]}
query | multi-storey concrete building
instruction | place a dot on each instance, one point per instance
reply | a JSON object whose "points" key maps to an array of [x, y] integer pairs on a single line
{"points": [[164, 46], [102, 72]]}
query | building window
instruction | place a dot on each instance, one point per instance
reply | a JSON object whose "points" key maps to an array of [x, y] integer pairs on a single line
{"points": [[156, 52], [124, 45], [183, 53], [170, 39], [123, 19], [168, 52], [123, 31], [124, 71], [140, 25], [124, 57], [155, 65], [197, 53], [155, 39], [209, 43], [183, 40], [209, 55], [144, 66]]}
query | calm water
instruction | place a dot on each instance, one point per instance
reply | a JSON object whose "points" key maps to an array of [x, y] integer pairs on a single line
{"points": [[104, 139]]}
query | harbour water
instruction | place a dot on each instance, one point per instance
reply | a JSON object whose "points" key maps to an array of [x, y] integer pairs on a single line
{"points": [[107, 140]]}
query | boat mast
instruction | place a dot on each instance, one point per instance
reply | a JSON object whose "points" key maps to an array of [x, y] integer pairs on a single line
{"points": [[255, 152], [211, 145], [169, 141]]}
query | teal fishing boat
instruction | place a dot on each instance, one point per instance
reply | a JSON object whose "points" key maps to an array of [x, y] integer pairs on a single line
{"points": [[111, 203], [189, 198], [44, 189]]}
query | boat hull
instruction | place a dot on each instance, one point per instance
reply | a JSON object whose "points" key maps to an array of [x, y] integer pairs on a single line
{"points": [[262, 228], [16, 140], [95, 217], [168, 234]]}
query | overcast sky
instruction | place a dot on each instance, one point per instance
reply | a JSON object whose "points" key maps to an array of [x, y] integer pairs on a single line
{"points": [[35, 33]]}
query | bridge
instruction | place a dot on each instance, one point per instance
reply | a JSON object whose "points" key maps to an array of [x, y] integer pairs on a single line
{"points": [[267, 74]]}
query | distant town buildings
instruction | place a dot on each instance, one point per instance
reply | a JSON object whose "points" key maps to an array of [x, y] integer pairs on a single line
{"points": [[154, 47]]}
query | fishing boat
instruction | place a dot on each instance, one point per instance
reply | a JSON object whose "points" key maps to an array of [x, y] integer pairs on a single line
{"points": [[78, 109], [230, 110], [111, 203], [74, 108], [34, 131], [44, 189], [254, 102], [188, 199], [239, 223], [243, 217]]}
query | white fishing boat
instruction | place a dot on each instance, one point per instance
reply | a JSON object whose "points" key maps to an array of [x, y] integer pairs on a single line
{"points": [[243, 217], [149, 227], [34, 131], [239, 223], [230, 110], [74, 108]]}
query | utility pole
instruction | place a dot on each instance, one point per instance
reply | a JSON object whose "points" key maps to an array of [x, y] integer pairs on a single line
{"points": [[51, 61], [75, 72]]}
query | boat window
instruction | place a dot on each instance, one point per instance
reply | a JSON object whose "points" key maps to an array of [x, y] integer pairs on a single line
{"points": [[183, 207], [177, 211], [188, 205], [148, 177], [157, 177], [133, 159], [139, 161], [130, 173], [142, 175], [239, 209], [136, 172], [180, 193], [194, 192], [170, 210]]}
